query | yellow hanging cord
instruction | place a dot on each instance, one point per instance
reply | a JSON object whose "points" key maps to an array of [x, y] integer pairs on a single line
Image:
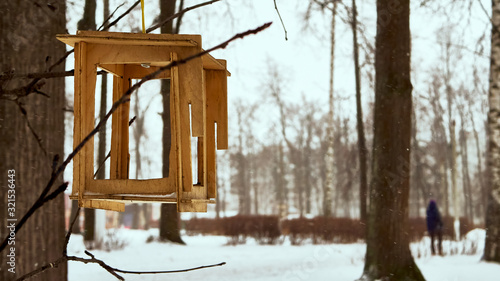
{"points": [[143, 25]]}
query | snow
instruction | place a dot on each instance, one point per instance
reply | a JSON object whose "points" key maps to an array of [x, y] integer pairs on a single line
{"points": [[461, 260]]}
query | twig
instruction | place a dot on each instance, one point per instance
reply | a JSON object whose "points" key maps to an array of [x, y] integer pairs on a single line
{"points": [[158, 25], [93, 259], [122, 15], [283, 24], [35, 135], [493, 26], [43, 75], [70, 229], [125, 98], [109, 153], [169, 271], [103, 25]]}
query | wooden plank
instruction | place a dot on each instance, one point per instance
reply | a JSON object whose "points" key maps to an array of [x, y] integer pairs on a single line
{"points": [[136, 71], [125, 54], [191, 90], [216, 88], [116, 120], [160, 186], [182, 129], [124, 130], [130, 198], [112, 68], [119, 162], [103, 37], [216, 95], [89, 77], [77, 138], [198, 192], [211, 63], [103, 205]]}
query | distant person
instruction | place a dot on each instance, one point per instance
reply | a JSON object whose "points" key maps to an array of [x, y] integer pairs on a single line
{"points": [[434, 226]]}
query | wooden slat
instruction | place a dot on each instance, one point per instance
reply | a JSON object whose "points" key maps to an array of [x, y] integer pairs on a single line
{"points": [[191, 90], [216, 94], [211, 63], [216, 87], [136, 71], [113, 69], [78, 122], [116, 120], [103, 205], [87, 87], [129, 198], [124, 130], [197, 193], [160, 186], [123, 54], [182, 132], [103, 37]]}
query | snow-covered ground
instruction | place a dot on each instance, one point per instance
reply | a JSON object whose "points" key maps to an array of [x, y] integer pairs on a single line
{"points": [[251, 261]]}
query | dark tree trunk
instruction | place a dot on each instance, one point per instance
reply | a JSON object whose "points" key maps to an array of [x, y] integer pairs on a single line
{"points": [[169, 220], [28, 44], [88, 23], [492, 244], [362, 150], [388, 255], [74, 210]]}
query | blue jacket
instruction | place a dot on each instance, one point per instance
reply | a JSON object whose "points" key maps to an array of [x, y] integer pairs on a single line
{"points": [[433, 217]]}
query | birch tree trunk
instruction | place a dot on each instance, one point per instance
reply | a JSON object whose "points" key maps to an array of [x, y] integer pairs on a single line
{"points": [[388, 255], [492, 244], [329, 157]]}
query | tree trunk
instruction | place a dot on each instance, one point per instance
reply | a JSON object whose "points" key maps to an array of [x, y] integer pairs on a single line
{"points": [[462, 139], [329, 157], [362, 151], [28, 44], [492, 244], [388, 255], [88, 23], [169, 220], [453, 169], [482, 188]]}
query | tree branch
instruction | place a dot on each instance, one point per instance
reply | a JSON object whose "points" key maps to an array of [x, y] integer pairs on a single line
{"points": [[158, 25], [103, 25], [121, 16], [283, 24]]}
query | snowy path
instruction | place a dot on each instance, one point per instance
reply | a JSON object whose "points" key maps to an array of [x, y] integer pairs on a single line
{"points": [[262, 263]]}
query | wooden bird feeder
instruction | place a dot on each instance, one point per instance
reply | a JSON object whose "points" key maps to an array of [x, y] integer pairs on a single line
{"points": [[200, 83]]}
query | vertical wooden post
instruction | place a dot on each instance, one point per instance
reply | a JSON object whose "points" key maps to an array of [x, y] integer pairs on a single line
{"points": [[86, 92], [120, 128], [216, 95]]}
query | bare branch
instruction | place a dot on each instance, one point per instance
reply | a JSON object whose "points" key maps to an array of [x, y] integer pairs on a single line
{"points": [[121, 16], [156, 26], [169, 271], [109, 153], [70, 228], [35, 135], [277, 11], [103, 25], [40, 75]]}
